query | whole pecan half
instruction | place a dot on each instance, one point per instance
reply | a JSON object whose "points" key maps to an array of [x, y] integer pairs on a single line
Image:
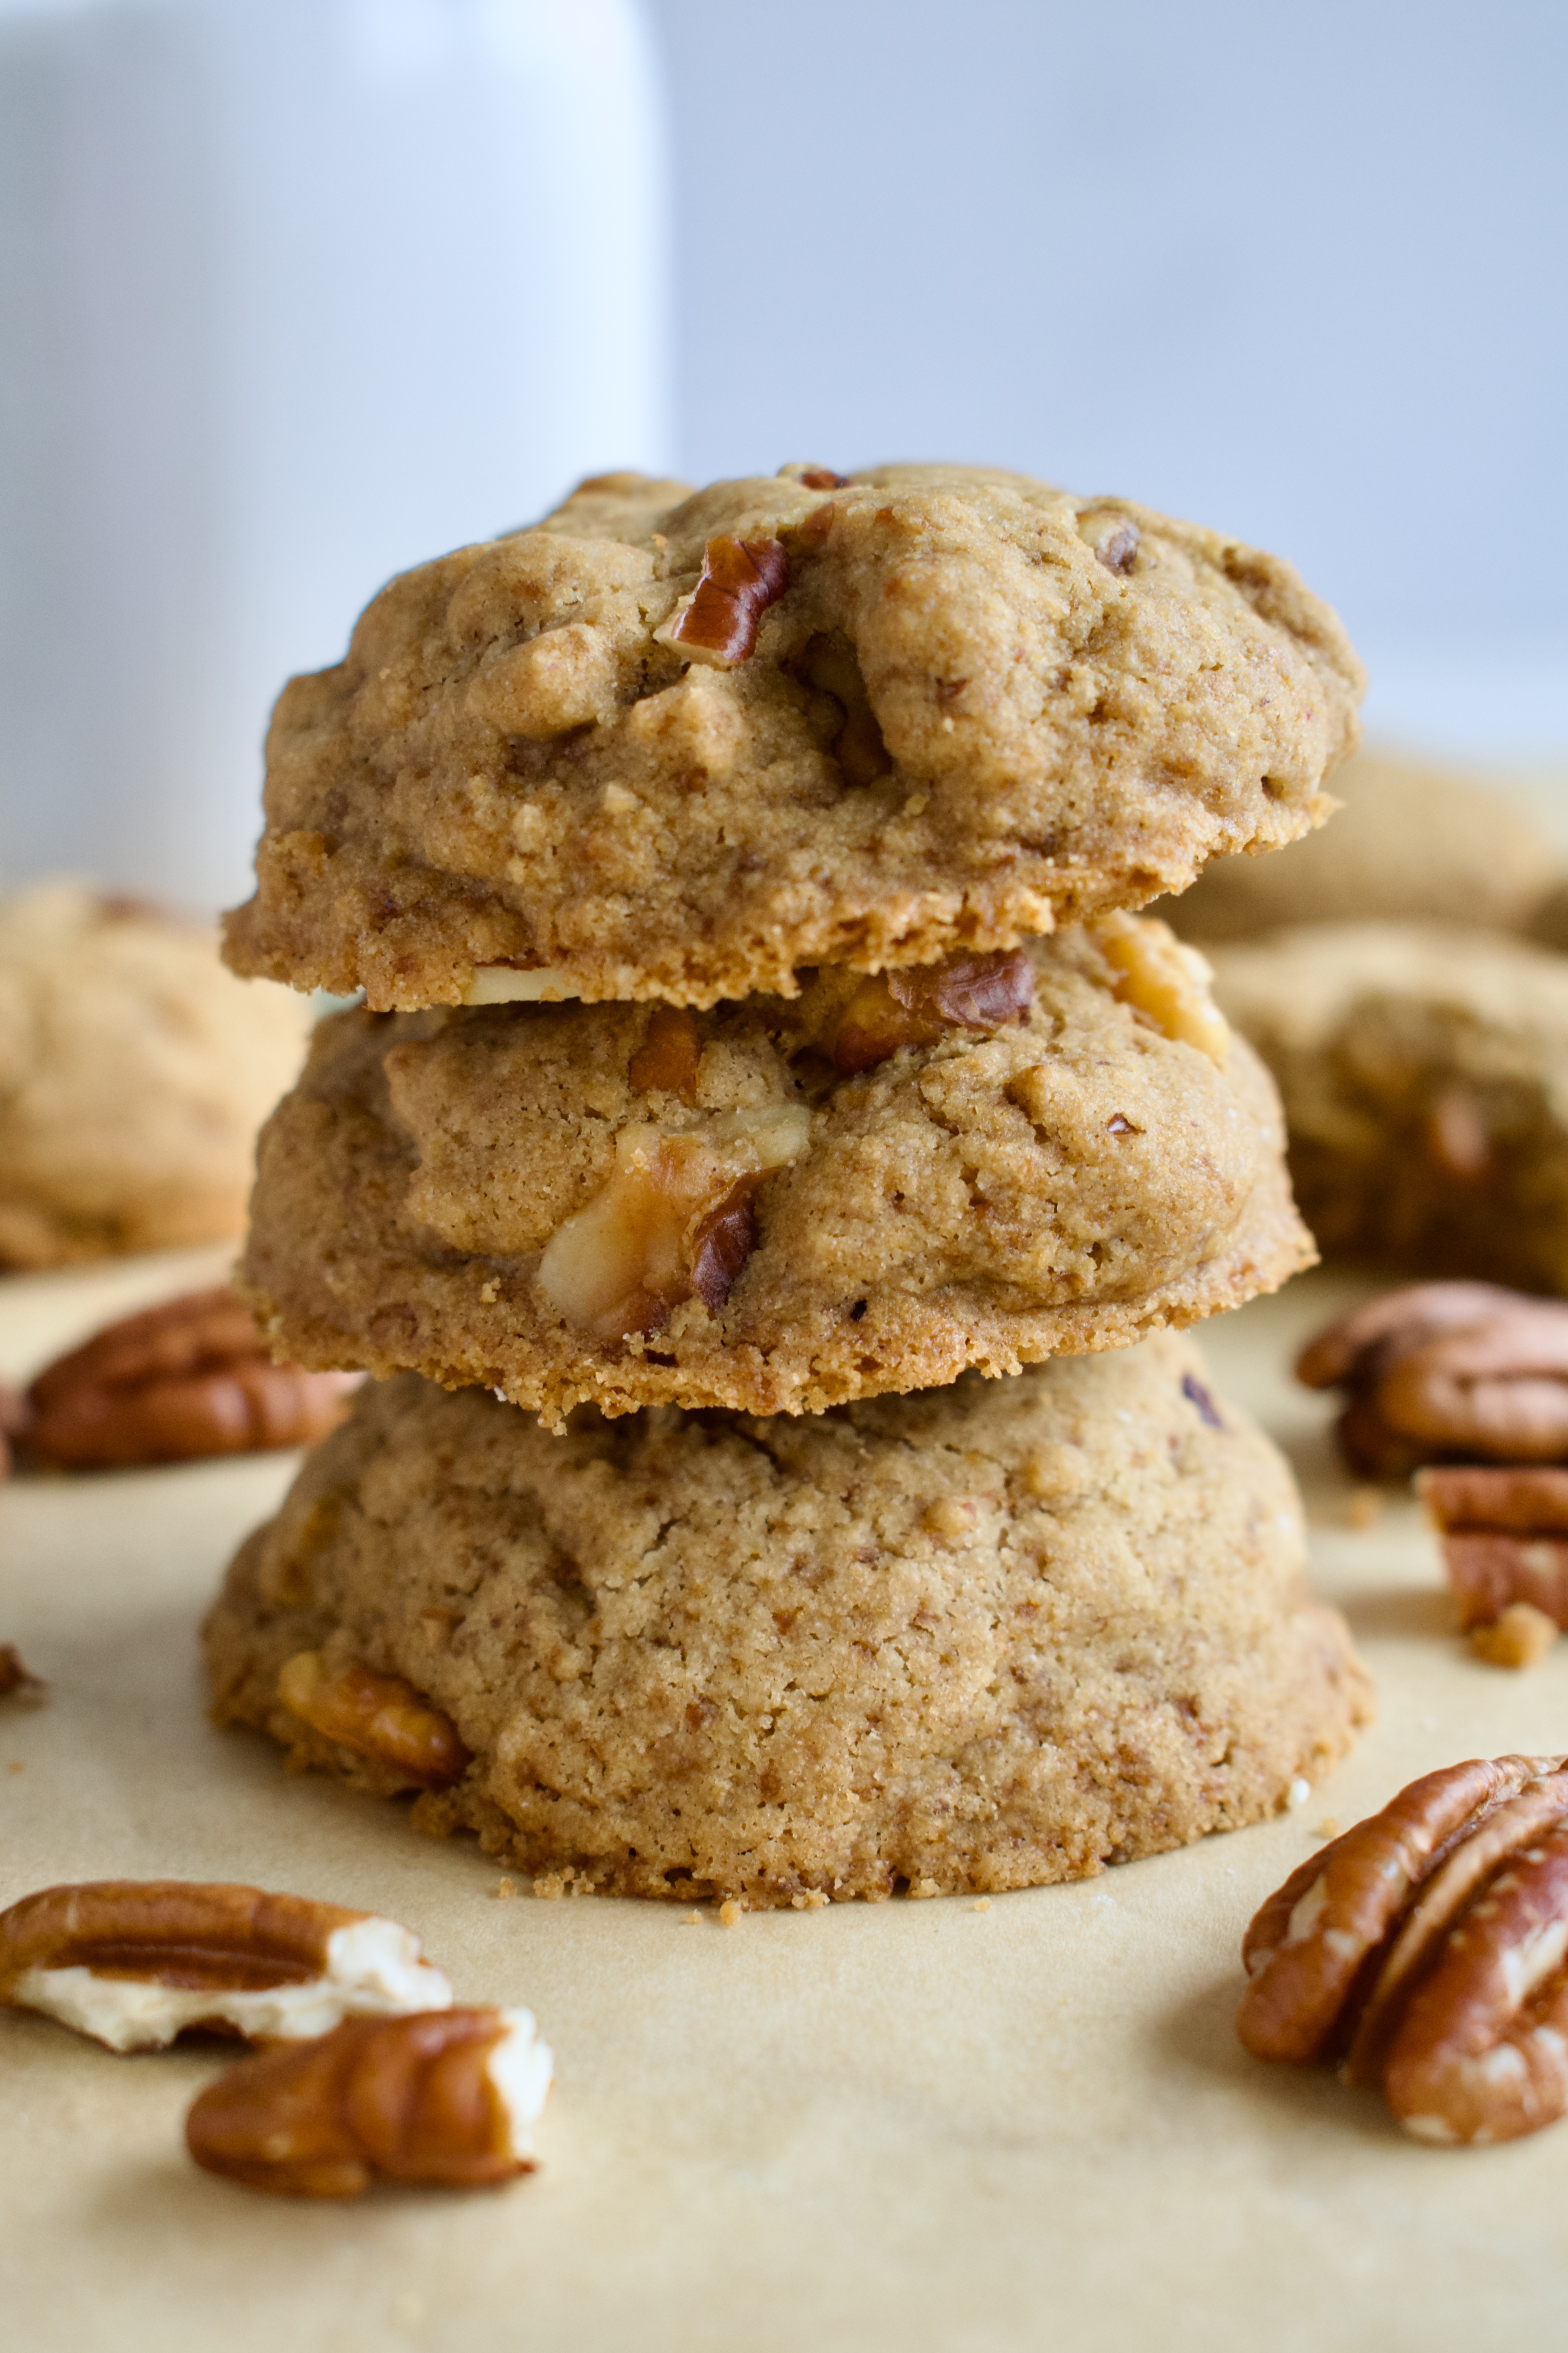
{"points": [[1427, 1950], [135, 1962], [1443, 1372], [188, 1379], [448, 2097]]}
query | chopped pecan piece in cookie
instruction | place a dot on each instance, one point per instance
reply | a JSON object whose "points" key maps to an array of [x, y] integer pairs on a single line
{"points": [[1443, 1372], [188, 1379], [893, 1010], [448, 2097], [1165, 979], [718, 622], [135, 1962], [1428, 1950], [379, 1716]]}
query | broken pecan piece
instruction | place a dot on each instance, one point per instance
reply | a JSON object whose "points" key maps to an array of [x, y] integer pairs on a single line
{"points": [[376, 1716], [191, 1377], [15, 1681], [919, 1006], [718, 622], [1442, 1372], [1505, 1545], [1428, 1949], [449, 2097], [135, 1962], [1160, 976]]}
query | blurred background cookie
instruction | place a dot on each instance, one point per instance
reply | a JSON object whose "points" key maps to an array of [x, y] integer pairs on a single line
{"points": [[134, 1072], [1410, 841], [1424, 1069]]}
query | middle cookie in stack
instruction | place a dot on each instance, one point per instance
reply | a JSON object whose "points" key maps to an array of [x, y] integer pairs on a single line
{"points": [[790, 776]]}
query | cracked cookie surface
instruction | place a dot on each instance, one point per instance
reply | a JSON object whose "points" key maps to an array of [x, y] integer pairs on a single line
{"points": [[679, 744], [981, 1639], [632, 1205]]}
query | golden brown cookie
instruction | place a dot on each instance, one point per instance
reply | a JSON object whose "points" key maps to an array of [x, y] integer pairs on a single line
{"points": [[1425, 1076], [134, 1072], [980, 1639], [1409, 843], [681, 745], [775, 1206]]}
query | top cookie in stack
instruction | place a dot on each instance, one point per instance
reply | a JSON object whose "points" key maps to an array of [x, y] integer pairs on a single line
{"points": [[854, 780], [682, 745]]}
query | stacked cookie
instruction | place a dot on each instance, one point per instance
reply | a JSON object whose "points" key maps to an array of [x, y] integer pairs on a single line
{"points": [[754, 1034]]}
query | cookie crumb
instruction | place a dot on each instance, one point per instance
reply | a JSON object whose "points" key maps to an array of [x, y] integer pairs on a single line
{"points": [[1298, 1793], [1327, 1829], [505, 1888], [983, 1903], [550, 1888], [691, 1919], [923, 1889], [1364, 1508], [812, 1901], [489, 1292], [729, 1914], [1521, 1637]]}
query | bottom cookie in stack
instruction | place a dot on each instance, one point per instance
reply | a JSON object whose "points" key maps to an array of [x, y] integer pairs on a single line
{"points": [[974, 1639]]}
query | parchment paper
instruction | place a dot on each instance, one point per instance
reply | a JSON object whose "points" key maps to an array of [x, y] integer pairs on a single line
{"points": [[912, 2124]]}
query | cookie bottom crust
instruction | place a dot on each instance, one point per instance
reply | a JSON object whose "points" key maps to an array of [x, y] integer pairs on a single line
{"points": [[978, 1640]]}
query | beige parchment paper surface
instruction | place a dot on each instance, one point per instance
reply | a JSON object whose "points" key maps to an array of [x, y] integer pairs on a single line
{"points": [[913, 2125]]}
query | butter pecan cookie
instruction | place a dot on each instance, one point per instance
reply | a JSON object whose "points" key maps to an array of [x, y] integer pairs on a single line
{"points": [[782, 1203], [681, 745], [1425, 1076], [134, 1072], [1409, 843], [985, 1638]]}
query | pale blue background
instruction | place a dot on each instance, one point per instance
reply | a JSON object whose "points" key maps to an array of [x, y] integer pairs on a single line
{"points": [[1300, 271]]}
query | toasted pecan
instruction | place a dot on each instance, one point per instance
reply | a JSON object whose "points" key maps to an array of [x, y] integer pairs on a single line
{"points": [[1428, 1947]]}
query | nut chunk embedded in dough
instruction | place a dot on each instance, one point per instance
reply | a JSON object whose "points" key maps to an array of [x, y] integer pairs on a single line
{"points": [[687, 745], [134, 1963], [1428, 1950], [450, 2097]]}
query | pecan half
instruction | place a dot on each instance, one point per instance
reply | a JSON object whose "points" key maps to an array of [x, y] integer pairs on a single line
{"points": [[921, 1005], [1427, 1950], [191, 1377], [1447, 1371], [376, 1716], [135, 1962], [718, 622], [16, 1680], [449, 2097], [1505, 1543]]}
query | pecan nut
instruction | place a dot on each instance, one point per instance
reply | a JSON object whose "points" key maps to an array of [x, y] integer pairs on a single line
{"points": [[1427, 1951], [718, 622], [1505, 1540], [189, 1379], [376, 1716], [16, 1680], [1164, 978], [923, 1004], [448, 2097], [133, 1963], [1439, 1372]]}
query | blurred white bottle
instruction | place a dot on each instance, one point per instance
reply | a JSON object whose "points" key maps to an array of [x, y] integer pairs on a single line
{"points": [[292, 293]]}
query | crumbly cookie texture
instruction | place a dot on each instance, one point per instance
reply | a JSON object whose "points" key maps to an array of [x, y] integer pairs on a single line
{"points": [[635, 1205], [1425, 1076], [986, 1638], [1409, 843], [679, 744], [134, 1072]]}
